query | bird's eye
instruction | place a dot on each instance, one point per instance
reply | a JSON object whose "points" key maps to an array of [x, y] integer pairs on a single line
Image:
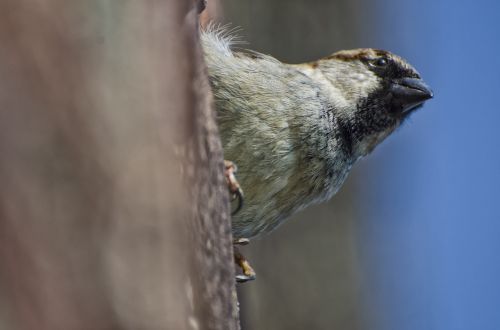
{"points": [[379, 62]]}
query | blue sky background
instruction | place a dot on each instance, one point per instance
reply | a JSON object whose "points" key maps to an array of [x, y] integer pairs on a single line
{"points": [[429, 234]]}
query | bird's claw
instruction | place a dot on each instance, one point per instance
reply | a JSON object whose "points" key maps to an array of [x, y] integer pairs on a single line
{"points": [[248, 272], [238, 195], [241, 241], [233, 185], [245, 278]]}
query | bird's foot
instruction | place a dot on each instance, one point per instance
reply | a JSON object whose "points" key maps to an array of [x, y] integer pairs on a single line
{"points": [[233, 185], [241, 241], [248, 272]]}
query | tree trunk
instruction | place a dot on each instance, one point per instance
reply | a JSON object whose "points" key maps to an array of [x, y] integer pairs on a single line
{"points": [[113, 208]]}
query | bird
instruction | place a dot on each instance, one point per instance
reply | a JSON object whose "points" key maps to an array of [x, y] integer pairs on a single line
{"points": [[295, 130]]}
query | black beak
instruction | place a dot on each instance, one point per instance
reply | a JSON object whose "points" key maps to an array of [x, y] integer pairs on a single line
{"points": [[409, 93]]}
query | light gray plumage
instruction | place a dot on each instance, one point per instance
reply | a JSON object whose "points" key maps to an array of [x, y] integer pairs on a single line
{"points": [[295, 131]]}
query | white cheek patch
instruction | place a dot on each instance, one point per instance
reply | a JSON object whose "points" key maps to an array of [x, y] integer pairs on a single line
{"points": [[343, 82], [359, 77], [336, 97], [365, 83]]}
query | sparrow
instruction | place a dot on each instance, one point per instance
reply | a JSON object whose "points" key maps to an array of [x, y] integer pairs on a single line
{"points": [[296, 130]]}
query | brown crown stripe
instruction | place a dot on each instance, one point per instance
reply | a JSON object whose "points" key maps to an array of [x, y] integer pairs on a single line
{"points": [[358, 54]]}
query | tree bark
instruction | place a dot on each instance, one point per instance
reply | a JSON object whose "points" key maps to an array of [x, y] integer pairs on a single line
{"points": [[113, 208]]}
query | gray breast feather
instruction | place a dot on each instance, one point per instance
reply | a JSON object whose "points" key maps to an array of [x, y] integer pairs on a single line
{"points": [[285, 151]]}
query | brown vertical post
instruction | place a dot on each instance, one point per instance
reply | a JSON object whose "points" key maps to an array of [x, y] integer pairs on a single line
{"points": [[113, 210]]}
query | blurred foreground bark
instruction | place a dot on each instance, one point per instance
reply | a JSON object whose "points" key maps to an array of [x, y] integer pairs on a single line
{"points": [[113, 210]]}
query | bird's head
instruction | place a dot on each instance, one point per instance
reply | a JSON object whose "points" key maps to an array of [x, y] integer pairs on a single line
{"points": [[378, 89]]}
